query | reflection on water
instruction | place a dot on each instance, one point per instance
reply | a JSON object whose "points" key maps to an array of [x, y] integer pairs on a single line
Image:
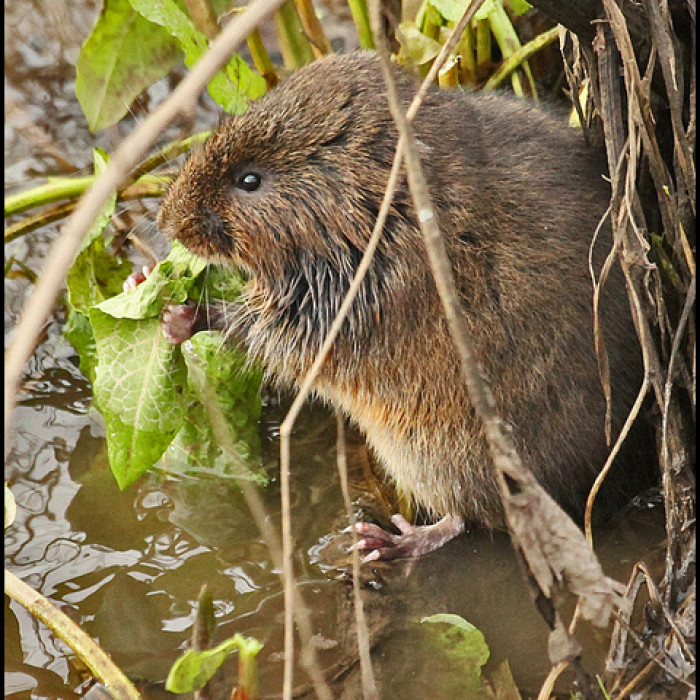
{"points": [[128, 566]]}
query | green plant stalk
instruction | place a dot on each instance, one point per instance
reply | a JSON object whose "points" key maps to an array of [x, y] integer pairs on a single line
{"points": [[312, 27], [261, 59], [295, 47], [606, 695], [248, 671], [522, 54], [203, 17], [466, 50], [58, 189], [483, 44], [94, 657], [138, 190], [168, 152], [53, 191], [68, 188], [31, 223], [432, 23], [420, 14], [508, 41], [360, 16], [27, 272], [449, 77]]}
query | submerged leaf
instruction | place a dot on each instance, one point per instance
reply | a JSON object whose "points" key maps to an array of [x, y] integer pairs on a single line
{"points": [[458, 652], [461, 639]]}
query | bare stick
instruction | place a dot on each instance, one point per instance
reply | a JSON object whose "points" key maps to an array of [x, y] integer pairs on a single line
{"points": [[369, 687], [288, 422], [264, 523], [99, 663], [61, 256], [310, 378]]}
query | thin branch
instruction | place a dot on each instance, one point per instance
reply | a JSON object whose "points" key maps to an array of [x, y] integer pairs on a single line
{"points": [[264, 523], [99, 663], [369, 686], [305, 389], [312, 374]]}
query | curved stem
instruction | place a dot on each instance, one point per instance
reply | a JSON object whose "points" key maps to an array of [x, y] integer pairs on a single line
{"points": [[96, 659]]}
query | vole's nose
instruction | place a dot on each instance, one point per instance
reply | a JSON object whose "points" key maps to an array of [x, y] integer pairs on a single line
{"points": [[211, 223]]}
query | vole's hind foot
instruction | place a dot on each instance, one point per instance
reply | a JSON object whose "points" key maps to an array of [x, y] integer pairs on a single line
{"points": [[413, 540]]}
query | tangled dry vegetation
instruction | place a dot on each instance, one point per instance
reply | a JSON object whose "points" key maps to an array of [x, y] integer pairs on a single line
{"points": [[639, 65]]}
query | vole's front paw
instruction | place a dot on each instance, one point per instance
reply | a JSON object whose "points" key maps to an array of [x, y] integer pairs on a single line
{"points": [[180, 322], [135, 278], [413, 540]]}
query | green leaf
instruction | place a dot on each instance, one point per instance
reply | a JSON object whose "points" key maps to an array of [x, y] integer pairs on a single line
{"points": [[100, 160], [78, 332], [487, 7], [519, 7], [169, 283], [124, 54], [132, 452], [451, 10], [146, 389], [140, 374], [96, 275], [229, 88], [416, 48], [168, 15], [235, 387], [194, 669], [139, 386]]}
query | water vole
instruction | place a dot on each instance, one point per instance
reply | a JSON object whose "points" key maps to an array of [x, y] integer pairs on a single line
{"points": [[289, 193]]}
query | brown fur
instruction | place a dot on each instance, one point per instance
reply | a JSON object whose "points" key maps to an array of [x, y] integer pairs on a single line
{"points": [[519, 198]]}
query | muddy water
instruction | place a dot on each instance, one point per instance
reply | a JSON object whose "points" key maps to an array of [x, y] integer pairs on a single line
{"points": [[127, 566]]}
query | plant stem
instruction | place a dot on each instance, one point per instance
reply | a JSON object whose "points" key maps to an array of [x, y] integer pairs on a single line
{"points": [[295, 47], [522, 54], [312, 27], [261, 59], [53, 191], [95, 658], [360, 16]]}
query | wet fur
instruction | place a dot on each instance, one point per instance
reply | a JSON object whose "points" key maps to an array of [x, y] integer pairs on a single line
{"points": [[519, 197]]}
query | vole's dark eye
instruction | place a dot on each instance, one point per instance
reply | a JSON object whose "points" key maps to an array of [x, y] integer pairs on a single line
{"points": [[249, 182]]}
